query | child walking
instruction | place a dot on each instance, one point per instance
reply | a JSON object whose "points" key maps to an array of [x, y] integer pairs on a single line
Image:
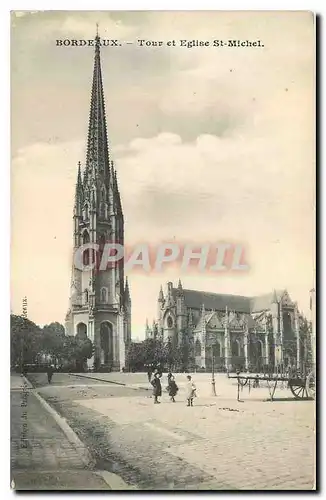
{"points": [[157, 388], [172, 388], [190, 391]]}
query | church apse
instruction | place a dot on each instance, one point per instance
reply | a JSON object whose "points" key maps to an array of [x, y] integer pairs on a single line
{"points": [[247, 333]]}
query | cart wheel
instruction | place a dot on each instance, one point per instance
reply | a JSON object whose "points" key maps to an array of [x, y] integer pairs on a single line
{"points": [[298, 391], [311, 385]]}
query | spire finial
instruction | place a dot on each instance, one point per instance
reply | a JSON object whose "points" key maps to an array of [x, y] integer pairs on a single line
{"points": [[97, 39], [79, 179], [274, 299]]}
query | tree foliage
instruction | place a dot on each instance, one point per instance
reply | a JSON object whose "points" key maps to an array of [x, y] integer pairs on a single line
{"points": [[148, 352], [31, 344], [53, 340], [26, 338], [153, 351], [77, 351]]}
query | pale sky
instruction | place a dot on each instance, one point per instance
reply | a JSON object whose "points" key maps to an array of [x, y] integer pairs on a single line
{"points": [[210, 144]]}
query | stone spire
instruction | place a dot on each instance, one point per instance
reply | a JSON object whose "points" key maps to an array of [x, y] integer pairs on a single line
{"points": [[226, 317], [161, 296], [190, 318], [78, 191], [147, 330], [274, 299], [127, 292], [79, 179], [97, 157], [116, 191]]}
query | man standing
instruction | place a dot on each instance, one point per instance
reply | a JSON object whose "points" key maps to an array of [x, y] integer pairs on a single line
{"points": [[49, 373]]}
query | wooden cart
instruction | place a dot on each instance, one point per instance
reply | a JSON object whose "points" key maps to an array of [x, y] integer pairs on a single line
{"points": [[302, 387]]}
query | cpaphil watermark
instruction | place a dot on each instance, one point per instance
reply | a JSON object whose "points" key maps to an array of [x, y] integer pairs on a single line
{"points": [[205, 257]]}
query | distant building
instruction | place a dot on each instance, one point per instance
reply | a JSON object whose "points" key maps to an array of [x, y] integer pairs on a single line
{"points": [[242, 332]]}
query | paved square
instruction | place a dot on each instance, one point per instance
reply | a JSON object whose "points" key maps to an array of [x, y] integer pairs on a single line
{"points": [[218, 444]]}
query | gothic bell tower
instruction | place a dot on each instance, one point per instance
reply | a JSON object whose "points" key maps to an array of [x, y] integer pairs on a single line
{"points": [[99, 304]]}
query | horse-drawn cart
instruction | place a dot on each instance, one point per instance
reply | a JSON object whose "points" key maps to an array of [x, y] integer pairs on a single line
{"points": [[301, 386]]}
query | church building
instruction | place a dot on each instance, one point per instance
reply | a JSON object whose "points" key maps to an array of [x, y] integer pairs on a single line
{"points": [[249, 333], [100, 304]]}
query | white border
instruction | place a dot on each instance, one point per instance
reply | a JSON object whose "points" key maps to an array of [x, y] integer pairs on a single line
{"points": [[314, 6]]}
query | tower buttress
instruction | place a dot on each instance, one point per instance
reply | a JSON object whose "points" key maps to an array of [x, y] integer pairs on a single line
{"points": [[275, 315], [181, 311], [160, 304], [127, 312]]}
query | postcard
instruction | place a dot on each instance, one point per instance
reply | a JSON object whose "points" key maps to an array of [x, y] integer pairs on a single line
{"points": [[163, 302]]}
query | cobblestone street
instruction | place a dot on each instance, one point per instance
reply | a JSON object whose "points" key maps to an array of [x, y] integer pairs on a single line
{"points": [[218, 444]]}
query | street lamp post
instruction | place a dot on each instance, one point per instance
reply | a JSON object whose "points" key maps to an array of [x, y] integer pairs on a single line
{"points": [[213, 378]]}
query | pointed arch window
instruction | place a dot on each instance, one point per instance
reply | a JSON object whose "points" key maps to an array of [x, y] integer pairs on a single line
{"points": [[86, 252], [102, 209], [86, 212], [235, 351], [101, 244], [104, 295], [216, 350], [287, 322]]}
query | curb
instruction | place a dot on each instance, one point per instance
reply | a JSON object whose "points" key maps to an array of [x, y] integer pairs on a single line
{"points": [[114, 481], [27, 382], [67, 430], [130, 386], [98, 379]]}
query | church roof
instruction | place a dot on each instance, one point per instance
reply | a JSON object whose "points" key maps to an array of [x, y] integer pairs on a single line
{"points": [[218, 302]]}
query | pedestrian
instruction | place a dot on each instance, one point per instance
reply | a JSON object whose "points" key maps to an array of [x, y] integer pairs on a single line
{"points": [[172, 387], [157, 388], [49, 373], [256, 382], [190, 391], [169, 376]]}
